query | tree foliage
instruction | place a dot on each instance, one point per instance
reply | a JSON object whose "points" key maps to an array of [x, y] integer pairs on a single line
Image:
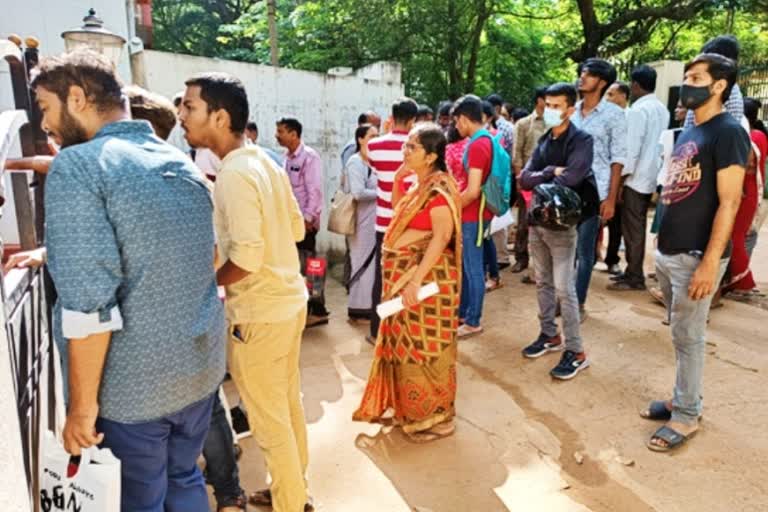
{"points": [[449, 47]]}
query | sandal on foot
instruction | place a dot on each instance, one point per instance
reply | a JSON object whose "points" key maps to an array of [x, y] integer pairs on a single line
{"points": [[672, 437], [263, 498], [657, 410], [467, 331]]}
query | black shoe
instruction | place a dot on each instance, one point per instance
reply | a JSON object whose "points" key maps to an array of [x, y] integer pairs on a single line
{"points": [[504, 265], [614, 269], [527, 280], [240, 502], [625, 286], [519, 266], [569, 366], [543, 345], [618, 277]]}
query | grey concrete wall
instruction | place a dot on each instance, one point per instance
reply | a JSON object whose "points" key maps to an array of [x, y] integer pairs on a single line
{"points": [[326, 105]]}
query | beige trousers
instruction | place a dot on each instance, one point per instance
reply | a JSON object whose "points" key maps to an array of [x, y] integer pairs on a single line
{"points": [[264, 363]]}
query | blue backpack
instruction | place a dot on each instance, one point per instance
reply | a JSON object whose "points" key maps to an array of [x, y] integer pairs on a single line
{"points": [[497, 189]]}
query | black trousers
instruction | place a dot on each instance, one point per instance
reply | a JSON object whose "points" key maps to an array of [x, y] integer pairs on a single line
{"points": [[614, 238], [634, 218], [316, 305], [377, 287], [521, 232]]}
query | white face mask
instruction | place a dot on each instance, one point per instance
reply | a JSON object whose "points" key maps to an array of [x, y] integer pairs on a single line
{"points": [[552, 117]]}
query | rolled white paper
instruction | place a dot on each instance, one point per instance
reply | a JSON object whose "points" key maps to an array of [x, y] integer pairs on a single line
{"points": [[394, 306]]}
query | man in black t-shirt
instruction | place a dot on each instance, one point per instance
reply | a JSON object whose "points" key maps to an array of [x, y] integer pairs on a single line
{"points": [[701, 195]]}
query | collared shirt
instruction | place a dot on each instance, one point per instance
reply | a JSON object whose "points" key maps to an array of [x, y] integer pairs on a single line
{"points": [[305, 170], [646, 120], [385, 154], [528, 131], [608, 126], [258, 222], [130, 242], [507, 131], [734, 106]]}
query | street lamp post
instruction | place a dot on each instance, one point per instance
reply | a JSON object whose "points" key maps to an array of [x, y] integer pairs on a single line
{"points": [[94, 36]]}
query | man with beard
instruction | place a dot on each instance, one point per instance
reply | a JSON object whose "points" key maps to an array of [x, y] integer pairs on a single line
{"points": [[142, 372], [258, 222], [607, 125]]}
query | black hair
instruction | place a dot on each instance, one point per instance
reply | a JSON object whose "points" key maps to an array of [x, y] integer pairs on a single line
{"points": [[752, 108], [431, 137], [644, 76], [720, 68], [424, 111], [600, 68], [444, 108], [539, 92], [725, 45], [362, 119], [452, 135], [623, 88], [360, 133], [488, 109], [404, 110], [495, 99], [469, 106], [222, 91], [251, 126], [519, 113], [563, 89], [291, 123]]}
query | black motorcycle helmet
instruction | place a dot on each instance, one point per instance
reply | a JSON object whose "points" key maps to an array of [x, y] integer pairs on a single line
{"points": [[555, 207]]}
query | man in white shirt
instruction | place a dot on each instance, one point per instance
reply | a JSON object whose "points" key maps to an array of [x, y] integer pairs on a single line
{"points": [[646, 119]]}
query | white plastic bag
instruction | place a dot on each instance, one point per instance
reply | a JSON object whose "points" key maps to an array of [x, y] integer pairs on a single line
{"points": [[499, 223], [95, 487]]}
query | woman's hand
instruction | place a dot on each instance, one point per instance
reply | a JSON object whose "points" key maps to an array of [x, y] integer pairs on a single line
{"points": [[410, 294]]}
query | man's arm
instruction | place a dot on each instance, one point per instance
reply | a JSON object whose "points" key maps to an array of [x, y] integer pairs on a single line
{"points": [[313, 181], [579, 162], [478, 156], [238, 201], [618, 150], [730, 183], [535, 171], [520, 143]]}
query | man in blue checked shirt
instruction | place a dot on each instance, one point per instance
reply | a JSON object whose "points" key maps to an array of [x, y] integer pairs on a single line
{"points": [[130, 244], [607, 125]]}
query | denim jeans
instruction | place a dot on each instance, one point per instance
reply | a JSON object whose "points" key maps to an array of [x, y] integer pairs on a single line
{"points": [[552, 253], [688, 322], [490, 263], [472, 279], [158, 460], [220, 462], [585, 255]]}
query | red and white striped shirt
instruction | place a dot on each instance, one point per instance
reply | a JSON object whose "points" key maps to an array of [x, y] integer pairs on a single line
{"points": [[385, 154]]}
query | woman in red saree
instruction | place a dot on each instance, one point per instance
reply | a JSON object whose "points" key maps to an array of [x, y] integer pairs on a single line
{"points": [[412, 383]]}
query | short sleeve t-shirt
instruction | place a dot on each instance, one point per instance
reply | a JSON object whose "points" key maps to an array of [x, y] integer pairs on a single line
{"points": [[479, 156], [689, 195]]}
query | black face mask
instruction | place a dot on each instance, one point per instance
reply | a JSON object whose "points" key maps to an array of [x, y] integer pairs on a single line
{"points": [[693, 97]]}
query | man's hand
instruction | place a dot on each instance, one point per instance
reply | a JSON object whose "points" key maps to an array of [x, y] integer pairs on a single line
{"points": [[559, 171], [703, 281], [309, 226], [80, 430], [39, 164], [34, 258], [607, 210]]}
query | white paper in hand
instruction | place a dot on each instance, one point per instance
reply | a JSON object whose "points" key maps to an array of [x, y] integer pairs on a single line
{"points": [[394, 306]]}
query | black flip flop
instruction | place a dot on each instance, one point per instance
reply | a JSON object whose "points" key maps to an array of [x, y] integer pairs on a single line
{"points": [[672, 437]]}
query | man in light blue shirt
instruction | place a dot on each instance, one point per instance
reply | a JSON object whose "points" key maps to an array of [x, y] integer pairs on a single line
{"points": [[647, 118], [607, 124], [129, 233]]}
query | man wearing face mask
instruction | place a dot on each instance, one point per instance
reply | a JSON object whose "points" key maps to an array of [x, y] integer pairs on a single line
{"points": [[701, 197], [564, 157], [607, 124]]}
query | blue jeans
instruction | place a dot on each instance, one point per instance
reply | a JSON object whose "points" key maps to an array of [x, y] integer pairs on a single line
{"points": [[688, 321], [490, 263], [472, 278], [585, 256], [159, 460], [552, 253], [220, 462]]}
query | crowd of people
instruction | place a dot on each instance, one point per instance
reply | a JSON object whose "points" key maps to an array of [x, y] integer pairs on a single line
{"points": [[158, 230]]}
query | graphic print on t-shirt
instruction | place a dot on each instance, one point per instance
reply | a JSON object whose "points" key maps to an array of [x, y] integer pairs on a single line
{"points": [[684, 176]]}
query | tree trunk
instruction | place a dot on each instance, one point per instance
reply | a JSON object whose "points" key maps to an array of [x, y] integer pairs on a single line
{"points": [[453, 53], [477, 33], [271, 18]]}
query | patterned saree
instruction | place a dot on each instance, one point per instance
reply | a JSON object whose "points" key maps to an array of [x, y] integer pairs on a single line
{"points": [[413, 375]]}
